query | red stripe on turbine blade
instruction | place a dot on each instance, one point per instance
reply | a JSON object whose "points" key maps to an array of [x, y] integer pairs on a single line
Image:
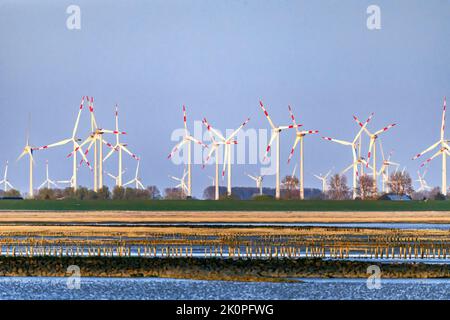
{"points": [[265, 112]]}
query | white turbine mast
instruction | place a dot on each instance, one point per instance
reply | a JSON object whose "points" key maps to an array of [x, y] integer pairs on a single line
{"points": [[47, 180], [5, 181], [187, 139], [443, 150], [300, 134], [275, 135], [227, 142], [136, 180], [119, 147], [353, 145]]}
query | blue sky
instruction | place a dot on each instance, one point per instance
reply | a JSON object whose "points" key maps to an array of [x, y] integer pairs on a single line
{"points": [[219, 58]]}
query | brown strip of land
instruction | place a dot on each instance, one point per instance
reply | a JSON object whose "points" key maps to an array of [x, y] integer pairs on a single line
{"points": [[237, 216]]}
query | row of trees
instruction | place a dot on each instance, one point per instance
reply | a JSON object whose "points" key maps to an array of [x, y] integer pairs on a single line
{"points": [[83, 193], [399, 183]]}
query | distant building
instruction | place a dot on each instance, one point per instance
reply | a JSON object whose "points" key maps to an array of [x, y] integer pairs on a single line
{"points": [[396, 197]]}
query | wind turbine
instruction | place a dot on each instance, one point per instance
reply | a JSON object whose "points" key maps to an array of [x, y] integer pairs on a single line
{"points": [[115, 178], [187, 139], [76, 147], [96, 139], [384, 170], [275, 136], [28, 150], [136, 179], [323, 179], [227, 142], [213, 148], [300, 134], [47, 181], [443, 150], [259, 181], [182, 184], [5, 180], [119, 147], [372, 145], [353, 145], [423, 184]]}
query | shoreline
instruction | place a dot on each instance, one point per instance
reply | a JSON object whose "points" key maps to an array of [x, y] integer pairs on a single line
{"points": [[270, 270]]}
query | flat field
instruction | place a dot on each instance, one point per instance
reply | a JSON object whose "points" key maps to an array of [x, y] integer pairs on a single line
{"points": [[224, 205]]}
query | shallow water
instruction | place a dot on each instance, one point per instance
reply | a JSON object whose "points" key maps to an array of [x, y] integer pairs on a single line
{"points": [[157, 289]]}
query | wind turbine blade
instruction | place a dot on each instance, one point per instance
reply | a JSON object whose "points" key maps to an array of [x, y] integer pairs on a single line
{"points": [[109, 154], [363, 127], [128, 183], [196, 141], [110, 175], [427, 150], [292, 118], [293, 171], [91, 112], [266, 114], [56, 144], [431, 158], [109, 145], [211, 129], [177, 146], [345, 143], [185, 120], [297, 139], [288, 127], [381, 149], [24, 152], [30, 153], [212, 149], [305, 132], [135, 157], [83, 156], [272, 138], [117, 123], [78, 119], [444, 109], [385, 129], [237, 130], [372, 141], [346, 169], [137, 169]]}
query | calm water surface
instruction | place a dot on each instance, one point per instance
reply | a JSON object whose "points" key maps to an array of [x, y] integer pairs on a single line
{"points": [[156, 288]]}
